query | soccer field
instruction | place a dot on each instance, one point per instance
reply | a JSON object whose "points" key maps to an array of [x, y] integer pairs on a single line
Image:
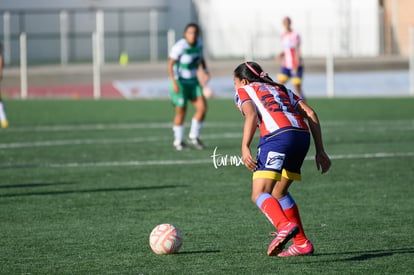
{"points": [[83, 183]]}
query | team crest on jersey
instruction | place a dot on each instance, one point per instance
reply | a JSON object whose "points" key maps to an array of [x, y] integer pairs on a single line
{"points": [[275, 160]]}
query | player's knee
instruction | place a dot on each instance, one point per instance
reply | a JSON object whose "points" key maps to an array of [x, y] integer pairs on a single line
{"points": [[200, 104], [256, 193], [203, 108], [180, 112]]}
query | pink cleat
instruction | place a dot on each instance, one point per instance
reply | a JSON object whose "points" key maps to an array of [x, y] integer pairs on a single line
{"points": [[283, 236], [295, 250]]}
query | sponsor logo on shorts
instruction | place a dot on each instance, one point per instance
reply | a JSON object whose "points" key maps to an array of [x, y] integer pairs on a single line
{"points": [[275, 160]]}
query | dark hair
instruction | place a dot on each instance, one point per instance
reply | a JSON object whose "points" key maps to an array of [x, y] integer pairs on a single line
{"points": [[193, 25], [252, 72]]}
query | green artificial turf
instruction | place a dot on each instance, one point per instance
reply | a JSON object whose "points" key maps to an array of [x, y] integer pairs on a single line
{"points": [[83, 183]]}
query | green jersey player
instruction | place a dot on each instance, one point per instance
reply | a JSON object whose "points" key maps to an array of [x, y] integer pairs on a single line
{"points": [[185, 60]]}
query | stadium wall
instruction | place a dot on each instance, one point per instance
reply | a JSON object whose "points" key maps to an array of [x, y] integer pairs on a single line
{"points": [[236, 28], [231, 28]]}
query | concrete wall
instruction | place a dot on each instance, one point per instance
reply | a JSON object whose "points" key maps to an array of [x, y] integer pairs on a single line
{"points": [[243, 28]]}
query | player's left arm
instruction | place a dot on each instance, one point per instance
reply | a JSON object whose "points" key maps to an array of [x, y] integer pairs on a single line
{"points": [[323, 161], [203, 64], [298, 50], [1, 65], [298, 55], [203, 73], [296, 64]]}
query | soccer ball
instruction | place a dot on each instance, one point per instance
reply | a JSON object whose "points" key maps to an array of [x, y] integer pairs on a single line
{"points": [[165, 239]]}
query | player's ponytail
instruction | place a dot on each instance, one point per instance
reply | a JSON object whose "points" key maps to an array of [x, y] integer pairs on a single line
{"points": [[252, 72]]}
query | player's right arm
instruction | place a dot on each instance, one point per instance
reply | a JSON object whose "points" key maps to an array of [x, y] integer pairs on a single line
{"points": [[279, 57], [249, 129], [171, 74], [174, 57]]}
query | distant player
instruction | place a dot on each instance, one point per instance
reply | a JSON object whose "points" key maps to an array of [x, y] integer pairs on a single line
{"points": [[281, 118], [3, 118], [292, 66], [185, 59]]}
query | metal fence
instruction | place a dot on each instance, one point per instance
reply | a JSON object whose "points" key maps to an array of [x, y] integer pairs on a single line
{"points": [[64, 36]]}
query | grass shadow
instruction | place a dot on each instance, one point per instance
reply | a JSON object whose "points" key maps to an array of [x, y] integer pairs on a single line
{"points": [[35, 184], [97, 190]]}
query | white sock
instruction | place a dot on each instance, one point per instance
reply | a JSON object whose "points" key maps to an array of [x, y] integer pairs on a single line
{"points": [[3, 116], [195, 128], [178, 133]]}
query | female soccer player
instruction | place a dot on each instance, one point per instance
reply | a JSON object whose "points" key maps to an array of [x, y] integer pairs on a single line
{"points": [[284, 142], [292, 61], [186, 58], [3, 118]]}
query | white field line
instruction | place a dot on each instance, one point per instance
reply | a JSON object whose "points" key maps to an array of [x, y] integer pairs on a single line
{"points": [[208, 160], [131, 163], [400, 125], [108, 127], [370, 155], [386, 124], [49, 143]]}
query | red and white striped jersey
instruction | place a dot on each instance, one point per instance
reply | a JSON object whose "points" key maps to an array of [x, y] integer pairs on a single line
{"points": [[276, 109], [290, 42]]}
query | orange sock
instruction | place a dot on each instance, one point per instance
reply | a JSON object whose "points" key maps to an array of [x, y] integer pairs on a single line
{"points": [[292, 213], [271, 208]]}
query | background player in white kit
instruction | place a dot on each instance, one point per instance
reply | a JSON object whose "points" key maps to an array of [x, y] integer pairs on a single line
{"points": [[292, 66]]}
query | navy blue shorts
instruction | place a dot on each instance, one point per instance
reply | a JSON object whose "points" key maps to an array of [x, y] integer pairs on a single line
{"points": [[282, 154], [288, 72]]}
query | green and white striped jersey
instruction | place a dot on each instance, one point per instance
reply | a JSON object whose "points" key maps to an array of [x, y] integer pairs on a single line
{"points": [[188, 58]]}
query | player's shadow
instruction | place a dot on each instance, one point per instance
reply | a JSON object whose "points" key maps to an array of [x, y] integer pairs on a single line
{"points": [[370, 254], [97, 190], [198, 252], [357, 256]]}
